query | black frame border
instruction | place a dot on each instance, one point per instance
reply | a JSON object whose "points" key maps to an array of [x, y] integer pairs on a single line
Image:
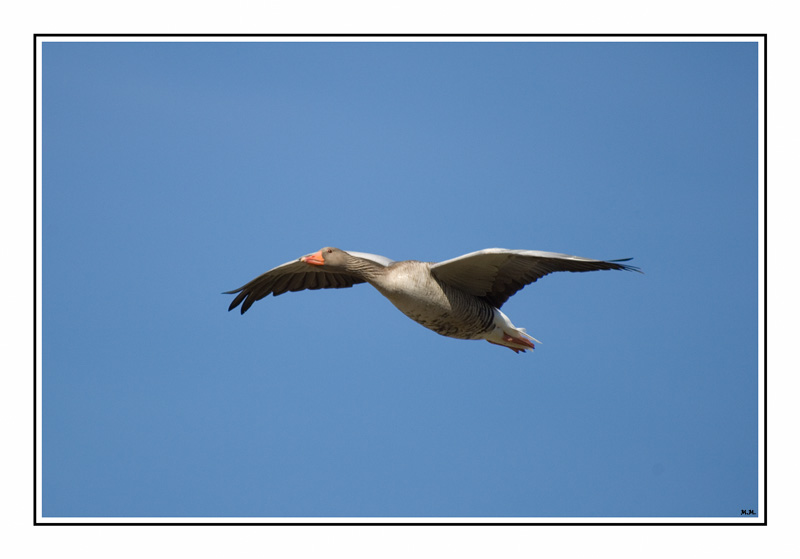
{"points": [[36, 62]]}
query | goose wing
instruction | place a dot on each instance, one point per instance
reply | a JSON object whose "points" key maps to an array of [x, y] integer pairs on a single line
{"points": [[297, 276], [495, 274]]}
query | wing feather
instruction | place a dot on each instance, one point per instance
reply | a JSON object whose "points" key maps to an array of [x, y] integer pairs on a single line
{"points": [[495, 274], [296, 276]]}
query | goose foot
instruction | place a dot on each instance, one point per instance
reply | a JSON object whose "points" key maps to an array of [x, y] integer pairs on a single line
{"points": [[514, 340]]}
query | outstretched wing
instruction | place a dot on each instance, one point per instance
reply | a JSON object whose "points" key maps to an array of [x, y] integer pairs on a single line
{"points": [[296, 276], [495, 274]]}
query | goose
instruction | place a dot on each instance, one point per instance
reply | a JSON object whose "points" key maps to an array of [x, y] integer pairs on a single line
{"points": [[459, 298]]}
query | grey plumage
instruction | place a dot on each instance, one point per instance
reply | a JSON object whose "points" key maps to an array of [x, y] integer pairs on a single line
{"points": [[459, 298]]}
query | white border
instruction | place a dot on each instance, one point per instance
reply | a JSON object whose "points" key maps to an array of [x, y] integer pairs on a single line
{"points": [[389, 38], [762, 275], [428, 520], [38, 280]]}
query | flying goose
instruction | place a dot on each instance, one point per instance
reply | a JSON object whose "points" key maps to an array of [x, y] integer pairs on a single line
{"points": [[459, 298]]}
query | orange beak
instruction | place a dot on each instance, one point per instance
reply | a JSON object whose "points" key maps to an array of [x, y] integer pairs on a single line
{"points": [[315, 259]]}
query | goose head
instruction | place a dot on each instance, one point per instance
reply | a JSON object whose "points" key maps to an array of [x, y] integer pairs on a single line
{"points": [[333, 258]]}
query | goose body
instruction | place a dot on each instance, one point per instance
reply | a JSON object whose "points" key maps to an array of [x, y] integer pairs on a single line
{"points": [[459, 298]]}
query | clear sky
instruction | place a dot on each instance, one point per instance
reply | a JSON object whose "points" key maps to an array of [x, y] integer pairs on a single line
{"points": [[175, 171]]}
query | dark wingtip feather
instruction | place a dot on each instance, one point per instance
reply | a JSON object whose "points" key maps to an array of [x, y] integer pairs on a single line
{"points": [[247, 304], [236, 300], [627, 267]]}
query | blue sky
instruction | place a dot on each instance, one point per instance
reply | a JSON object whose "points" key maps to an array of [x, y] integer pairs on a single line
{"points": [[175, 171]]}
